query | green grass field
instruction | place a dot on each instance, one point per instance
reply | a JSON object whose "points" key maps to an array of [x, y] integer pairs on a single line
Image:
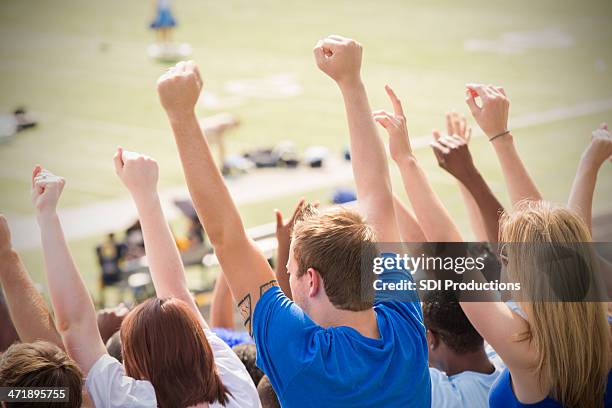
{"points": [[82, 66]]}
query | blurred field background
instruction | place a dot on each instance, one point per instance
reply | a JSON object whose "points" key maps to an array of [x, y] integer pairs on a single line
{"points": [[82, 68]]}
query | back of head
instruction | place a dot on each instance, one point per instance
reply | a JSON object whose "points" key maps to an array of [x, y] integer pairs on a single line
{"points": [[267, 396], [337, 243], [41, 364], [247, 353], [443, 316], [558, 249], [164, 343]]}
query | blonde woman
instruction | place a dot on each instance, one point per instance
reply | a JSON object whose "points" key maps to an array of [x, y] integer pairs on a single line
{"points": [[557, 353]]}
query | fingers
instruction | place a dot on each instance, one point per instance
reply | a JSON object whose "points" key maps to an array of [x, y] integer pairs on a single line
{"points": [[604, 126], [298, 209], [386, 119], [481, 90], [449, 124], [468, 135], [439, 147], [395, 101]]}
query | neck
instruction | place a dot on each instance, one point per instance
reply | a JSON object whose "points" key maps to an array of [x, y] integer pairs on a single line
{"points": [[474, 361], [363, 321]]}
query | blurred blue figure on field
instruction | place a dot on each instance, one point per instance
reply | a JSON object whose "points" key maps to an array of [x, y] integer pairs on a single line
{"points": [[164, 21]]}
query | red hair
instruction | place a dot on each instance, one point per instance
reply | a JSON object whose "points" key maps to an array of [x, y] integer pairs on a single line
{"points": [[164, 343]]}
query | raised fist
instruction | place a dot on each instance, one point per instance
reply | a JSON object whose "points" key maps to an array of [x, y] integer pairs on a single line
{"points": [[395, 125], [46, 190], [139, 173], [179, 88], [340, 58], [600, 148], [492, 116]]}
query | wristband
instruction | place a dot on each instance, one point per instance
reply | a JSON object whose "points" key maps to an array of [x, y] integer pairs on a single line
{"points": [[499, 135]]}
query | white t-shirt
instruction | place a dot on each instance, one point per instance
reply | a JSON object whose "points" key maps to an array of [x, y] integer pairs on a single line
{"points": [[466, 389], [109, 387]]}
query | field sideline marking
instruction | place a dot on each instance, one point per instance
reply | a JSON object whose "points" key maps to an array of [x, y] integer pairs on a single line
{"points": [[110, 215]]}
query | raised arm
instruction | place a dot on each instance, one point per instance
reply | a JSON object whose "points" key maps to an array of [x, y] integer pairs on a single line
{"points": [[26, 306], [75, 315], [492, 117], [340, 58], [283, 236], [140, 173], [454, 156], [595, 155], [246, 270], [435, 221], [409, 227]]}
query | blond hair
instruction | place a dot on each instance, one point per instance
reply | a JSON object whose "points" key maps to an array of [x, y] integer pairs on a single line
{"points": [[557, 328]]}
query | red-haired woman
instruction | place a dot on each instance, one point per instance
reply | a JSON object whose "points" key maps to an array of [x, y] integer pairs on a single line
{"points": [[171, 358]]}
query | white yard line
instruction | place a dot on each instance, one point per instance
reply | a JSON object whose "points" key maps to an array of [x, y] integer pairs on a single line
{"points": [[261, 185]]}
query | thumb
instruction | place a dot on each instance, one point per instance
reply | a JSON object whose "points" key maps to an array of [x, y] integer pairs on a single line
{"points": [[35, 173], [471, 103], [279, 219], [118, 159], [436, 134]]}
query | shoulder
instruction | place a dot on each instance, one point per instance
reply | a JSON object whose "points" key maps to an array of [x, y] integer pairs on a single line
{"points": [[109, 386]]}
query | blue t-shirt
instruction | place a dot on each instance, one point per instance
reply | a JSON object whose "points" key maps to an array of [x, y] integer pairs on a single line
{"points": [[502, 395], [311, 366]]}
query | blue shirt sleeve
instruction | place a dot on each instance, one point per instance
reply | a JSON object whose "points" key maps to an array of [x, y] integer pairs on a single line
{"points": [[284, 336]]}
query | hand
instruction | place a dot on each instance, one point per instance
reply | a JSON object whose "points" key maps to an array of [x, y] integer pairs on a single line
{"points": [[46, 190], [452, 150], [109, 320], [179, 89], [395, 124], [139, 173], [492, 116], [5, 236], [340, 58], [284, 230], [600, 148]]}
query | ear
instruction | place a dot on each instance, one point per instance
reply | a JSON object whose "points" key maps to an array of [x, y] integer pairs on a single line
{"points": [[432, 339], [315, 282]]}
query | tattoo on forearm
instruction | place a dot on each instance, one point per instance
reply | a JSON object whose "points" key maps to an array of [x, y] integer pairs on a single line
{"points": [[247, 312], [263, 288]]}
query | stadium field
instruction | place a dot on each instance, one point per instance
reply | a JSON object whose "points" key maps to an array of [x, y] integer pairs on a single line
{"points": [[82, 68]]}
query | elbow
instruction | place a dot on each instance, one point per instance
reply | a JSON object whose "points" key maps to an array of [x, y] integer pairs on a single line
{"points": [[229, 235]]}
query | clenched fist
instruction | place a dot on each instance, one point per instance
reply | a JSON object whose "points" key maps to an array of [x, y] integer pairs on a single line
{"points": [[139, 173], [600, 148], [46, 190], [179, 88], [340, 58], [492, 115]]}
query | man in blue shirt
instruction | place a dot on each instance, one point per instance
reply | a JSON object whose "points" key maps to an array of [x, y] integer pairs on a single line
{"points": [[332, 345]]}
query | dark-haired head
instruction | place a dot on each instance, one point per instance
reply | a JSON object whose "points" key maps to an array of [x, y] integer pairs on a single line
{"points": [[164, 343]]}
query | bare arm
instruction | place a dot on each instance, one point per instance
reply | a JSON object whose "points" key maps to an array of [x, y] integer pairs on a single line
{"points": [[435, 221], [27, 308], [583, 188], [409, 227], [340, 58], [140, 173], [246, 270], [74, 310], [221, 305], [454, 156], [492, 117]]}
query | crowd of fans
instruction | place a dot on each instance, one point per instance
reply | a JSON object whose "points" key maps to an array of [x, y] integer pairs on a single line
{"points": [[314, 337]]}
